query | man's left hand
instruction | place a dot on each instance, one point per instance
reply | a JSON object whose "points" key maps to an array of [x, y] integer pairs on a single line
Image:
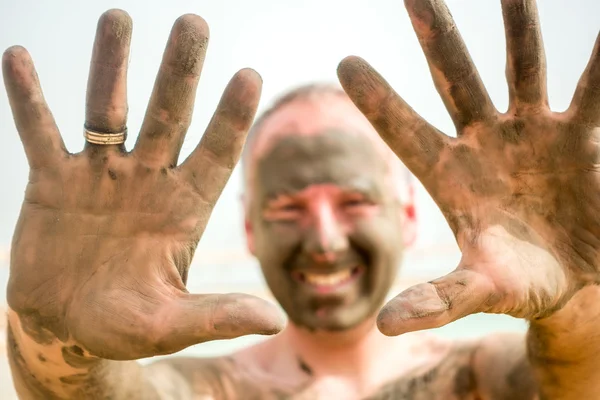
{"points": [[520, 190]]}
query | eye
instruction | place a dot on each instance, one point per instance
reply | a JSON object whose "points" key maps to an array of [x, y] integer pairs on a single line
{"points": [[286, 211], [289, 208], [354, 202]]}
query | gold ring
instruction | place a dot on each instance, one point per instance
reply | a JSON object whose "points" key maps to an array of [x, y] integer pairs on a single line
{"points": [[104, 138]]}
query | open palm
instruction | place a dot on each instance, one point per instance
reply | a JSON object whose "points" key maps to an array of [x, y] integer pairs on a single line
{"points": [[105, 238], [519, 189]]}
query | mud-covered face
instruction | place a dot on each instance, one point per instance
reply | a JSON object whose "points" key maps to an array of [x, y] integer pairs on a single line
{"points": [[326, 226]]}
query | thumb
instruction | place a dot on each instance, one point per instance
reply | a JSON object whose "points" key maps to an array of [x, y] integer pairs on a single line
{"points": [[437, 303], [196, 318]]}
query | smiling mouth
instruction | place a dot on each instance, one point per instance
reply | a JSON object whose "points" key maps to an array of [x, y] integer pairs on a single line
{"points": [[327, 282]]}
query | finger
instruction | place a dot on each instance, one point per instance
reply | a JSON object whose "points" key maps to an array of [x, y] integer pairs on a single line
{"points": [[209, 166], [34, 121], [418, 144], [437, 303], [526, 61], [201, 318], [106, 99], [170, 109], [586, 101], [452, 69]]}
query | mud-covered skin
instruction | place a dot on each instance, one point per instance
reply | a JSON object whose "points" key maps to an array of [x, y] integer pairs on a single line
{"points": [[564, 349], [64, 372], [495, 369], [518, 189], [455, 377], [105, 236], [339, 171]]}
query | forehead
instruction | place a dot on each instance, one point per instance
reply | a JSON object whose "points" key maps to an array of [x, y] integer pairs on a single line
{"points": [[311, 117], [317, 141], [344, 159]]}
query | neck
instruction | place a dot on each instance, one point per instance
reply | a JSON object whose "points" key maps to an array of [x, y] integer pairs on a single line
{"points": [[361, 358], [349, 353]]}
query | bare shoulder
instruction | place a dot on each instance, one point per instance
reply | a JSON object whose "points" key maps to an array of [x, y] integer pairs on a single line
{"points": [[448, 375], [502, 368], [231, 377], [492, 368]]}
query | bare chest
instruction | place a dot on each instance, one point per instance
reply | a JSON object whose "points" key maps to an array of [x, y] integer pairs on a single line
{"points": [[446, 381]]}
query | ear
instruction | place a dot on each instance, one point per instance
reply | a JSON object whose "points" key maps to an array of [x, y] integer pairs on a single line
{"points": [[408, 217], [248, 228], [249, 236]]}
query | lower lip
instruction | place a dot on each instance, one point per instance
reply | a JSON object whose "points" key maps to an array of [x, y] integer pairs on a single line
{"points": [[325, 289]]}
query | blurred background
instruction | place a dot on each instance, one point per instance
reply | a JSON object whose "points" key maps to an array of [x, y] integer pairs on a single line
{"points": [[288, 43]]}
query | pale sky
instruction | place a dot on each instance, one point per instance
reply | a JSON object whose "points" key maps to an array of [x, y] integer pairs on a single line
{"points": [[288, 43]]}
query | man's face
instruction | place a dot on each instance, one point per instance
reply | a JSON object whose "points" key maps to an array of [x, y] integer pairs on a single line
{"points": [[324, 219]]}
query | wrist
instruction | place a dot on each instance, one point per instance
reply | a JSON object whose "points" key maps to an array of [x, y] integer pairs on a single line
{"points": [[568, 333], [581, 308], [50, 367]]}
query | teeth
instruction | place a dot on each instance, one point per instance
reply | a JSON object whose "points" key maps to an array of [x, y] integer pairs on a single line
{"points": [[328, 279]]}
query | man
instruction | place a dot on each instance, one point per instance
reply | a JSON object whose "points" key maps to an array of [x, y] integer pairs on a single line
{"points": [[100, 254]]}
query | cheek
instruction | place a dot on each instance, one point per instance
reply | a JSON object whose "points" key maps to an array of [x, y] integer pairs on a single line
{"points": [[275, 243], [379, 238]]}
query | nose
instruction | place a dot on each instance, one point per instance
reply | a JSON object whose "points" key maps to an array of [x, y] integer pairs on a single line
{"points": [[326, 236]]}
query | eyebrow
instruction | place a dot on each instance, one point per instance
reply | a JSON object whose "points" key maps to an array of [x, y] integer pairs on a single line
{"points": [[369, 193]]}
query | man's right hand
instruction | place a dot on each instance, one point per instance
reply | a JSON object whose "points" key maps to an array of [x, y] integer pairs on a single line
{"points": [[105, 237]]}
